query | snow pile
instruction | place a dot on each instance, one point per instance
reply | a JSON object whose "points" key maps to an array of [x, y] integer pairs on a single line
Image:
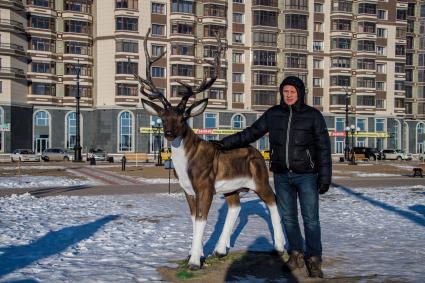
{"points": [[125, 238]]}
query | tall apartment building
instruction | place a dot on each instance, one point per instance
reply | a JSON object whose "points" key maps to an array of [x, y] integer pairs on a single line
{"points": [[367, 53]]}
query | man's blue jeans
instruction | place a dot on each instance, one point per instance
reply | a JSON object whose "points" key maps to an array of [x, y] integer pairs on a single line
{"points": [[288, 187]]}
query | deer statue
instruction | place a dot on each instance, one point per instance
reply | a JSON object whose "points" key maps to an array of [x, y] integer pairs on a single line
{"points": [[202, 168]]}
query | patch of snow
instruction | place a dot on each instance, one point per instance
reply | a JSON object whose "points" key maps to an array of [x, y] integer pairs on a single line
{"points": [[26, 181], [39, 167], [157, 180], [125, 238], [360, 174]]}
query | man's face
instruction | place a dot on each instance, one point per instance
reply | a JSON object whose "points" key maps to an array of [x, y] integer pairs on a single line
{"points": [[290, 94]]}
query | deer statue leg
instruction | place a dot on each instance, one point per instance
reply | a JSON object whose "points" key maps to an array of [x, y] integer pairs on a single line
{"points": [[234, 207], [203, 204], [192, 206], [265, 193]]}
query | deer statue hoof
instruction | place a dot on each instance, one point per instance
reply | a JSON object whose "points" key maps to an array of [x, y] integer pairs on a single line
{"points": [[193, 267], [219, 255]]}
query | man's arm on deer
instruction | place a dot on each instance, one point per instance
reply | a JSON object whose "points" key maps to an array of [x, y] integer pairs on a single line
{"points": [[241, 139]]}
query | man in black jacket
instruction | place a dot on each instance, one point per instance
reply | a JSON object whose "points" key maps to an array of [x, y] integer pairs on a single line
{"points": [[301, 163]]}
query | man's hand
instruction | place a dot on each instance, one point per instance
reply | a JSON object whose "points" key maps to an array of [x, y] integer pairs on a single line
{"points": [[218, 144], [323, 188]]}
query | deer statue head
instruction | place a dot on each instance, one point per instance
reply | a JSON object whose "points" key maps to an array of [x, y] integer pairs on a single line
{"points": [[174, 117]]}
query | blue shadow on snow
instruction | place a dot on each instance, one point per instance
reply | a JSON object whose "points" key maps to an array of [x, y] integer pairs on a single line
{"points": [[406, 214], [16, 257], [252, 207]]}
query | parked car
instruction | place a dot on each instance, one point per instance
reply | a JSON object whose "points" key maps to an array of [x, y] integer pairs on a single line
{"points": [[55, 154], [371, 153], [24, 155], [396, 154], [98, 154], [421, 156]]}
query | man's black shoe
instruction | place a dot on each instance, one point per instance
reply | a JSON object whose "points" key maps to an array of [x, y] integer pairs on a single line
{"points": [[314, 267], [296, 260]]}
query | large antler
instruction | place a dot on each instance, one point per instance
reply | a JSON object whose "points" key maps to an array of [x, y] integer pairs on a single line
{"points": [[147, 87], [205, 84]]}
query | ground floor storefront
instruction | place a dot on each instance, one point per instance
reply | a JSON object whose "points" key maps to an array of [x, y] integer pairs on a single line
{"points": [[118, 130]]}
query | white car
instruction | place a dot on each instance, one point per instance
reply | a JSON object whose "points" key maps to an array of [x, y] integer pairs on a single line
{"points": [[24, 155], [396, 154]]}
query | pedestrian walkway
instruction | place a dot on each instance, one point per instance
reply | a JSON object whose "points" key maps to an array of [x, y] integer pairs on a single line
{"points": [[103, 177]]}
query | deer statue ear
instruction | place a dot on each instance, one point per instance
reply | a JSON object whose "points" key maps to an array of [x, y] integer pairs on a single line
{"points": [[151, 107], [197, 108]]}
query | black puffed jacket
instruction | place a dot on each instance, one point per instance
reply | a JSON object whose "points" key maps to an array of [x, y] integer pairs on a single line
{"points": [[299, 139]]}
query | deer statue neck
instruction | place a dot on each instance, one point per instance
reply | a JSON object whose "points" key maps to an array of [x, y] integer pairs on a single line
{"points": [[187, 140]]}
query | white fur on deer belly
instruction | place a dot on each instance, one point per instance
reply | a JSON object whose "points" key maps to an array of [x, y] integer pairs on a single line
{"points": [[178, 155], [229, 185]]}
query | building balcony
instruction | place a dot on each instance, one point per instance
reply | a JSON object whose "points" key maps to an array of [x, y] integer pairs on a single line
{"points": [[11, 49], [15, 5], [12, 26], [12, 73], [42, 99]]}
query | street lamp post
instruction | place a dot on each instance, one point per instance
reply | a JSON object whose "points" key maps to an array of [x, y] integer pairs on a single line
{"points": [[346, 149], [157, 126], [77, 148], [353, 130]]}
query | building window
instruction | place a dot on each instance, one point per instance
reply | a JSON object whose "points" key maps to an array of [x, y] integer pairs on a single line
{"points": [[317, 45], [420, 131], [42, 44], [380, 85], [339, 124], [1, 87], [238, 37], [296, 21], [296, 41], [366, 46], [317, 82], [399, 68], [126, 4], [379, 124], [212, 30], [126, 68], [71, 69], [237, 57], [382, 14], [238, 77], [337, 99], [40, 22], [158, 8], [366, 64], [125, 131], [317, 101], [71, 126], [367, 8], [126, 24], [126, 89], [264, 18], [380, 50], [182, 70], [182, 49], [318, 7], [381, 32], [400, 50], [77, 26], [340, 43], [264, 58], [158, 72], [366, 100], [318, 64], [381, 68], [340, 80], [41, 118], [238, 122], [318, 27], [237, 97], [296, 60], [339, 145], [263, 143], [263, 97], [210, 120], [43, 67], [264, 78], [83, 6], [43, 89], [265, 38], [182, 28], [380, 103], [78, 47], [129, 46], [341, 25], [366, 82], [157, 50], [361, 124], [182, 6], [158, 30], [341, 62], [71, 91], [238, 18]]}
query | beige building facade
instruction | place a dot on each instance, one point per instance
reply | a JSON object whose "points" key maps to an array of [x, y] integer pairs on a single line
{"points": [[361, 58]]}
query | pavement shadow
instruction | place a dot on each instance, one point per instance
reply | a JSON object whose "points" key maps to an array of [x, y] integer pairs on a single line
{"points": [[249, 208], [56, 190], [259, 266], [406, 214], [419, 208], [54, 242]]}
